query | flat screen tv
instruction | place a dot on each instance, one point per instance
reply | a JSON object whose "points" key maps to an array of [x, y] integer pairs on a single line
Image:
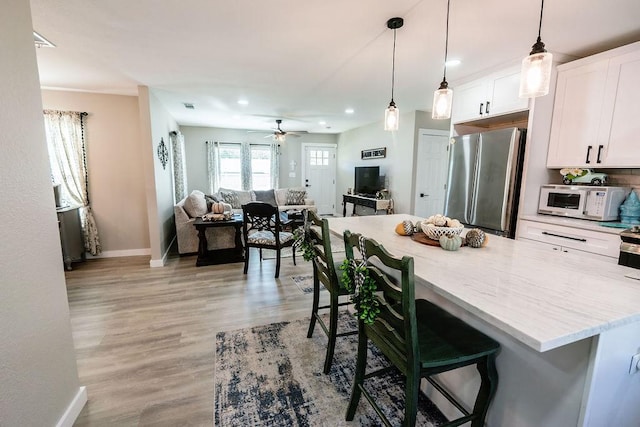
{"points": [[367, 180]]}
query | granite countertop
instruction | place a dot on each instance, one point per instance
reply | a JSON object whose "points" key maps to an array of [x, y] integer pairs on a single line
{"points": [[583, 224], [541, 299]]}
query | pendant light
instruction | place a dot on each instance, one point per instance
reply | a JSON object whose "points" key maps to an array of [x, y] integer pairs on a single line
{"points": [[536, 68], [443, 97], [392, 114]]}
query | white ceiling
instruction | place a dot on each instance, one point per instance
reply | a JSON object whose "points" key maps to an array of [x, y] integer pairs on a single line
{"points": [[304, 61]]}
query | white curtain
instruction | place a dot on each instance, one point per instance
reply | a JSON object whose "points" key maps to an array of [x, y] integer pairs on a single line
{"points": [[245, 166], [179, 165], [274, 148], [213, 165], [68, 160]]}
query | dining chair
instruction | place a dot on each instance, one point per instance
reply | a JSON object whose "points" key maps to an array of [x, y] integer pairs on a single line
{"points": [[325, 272], [419, 338], [262, 228]]}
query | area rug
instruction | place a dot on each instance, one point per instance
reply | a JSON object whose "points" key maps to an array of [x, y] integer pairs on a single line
{"points": [[272, 376], [305, 283]]}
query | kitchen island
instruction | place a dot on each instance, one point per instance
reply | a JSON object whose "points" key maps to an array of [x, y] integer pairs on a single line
{"points": [[568, 326]]}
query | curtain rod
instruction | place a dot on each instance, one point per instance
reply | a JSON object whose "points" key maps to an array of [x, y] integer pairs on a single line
{"points": [[82, 113]]}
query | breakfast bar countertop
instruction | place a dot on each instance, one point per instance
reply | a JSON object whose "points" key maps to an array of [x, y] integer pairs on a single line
{"points": [[543, 300]]}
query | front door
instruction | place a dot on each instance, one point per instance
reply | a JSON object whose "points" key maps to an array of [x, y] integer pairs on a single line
{"points": [[320, 176], [431, 172]]}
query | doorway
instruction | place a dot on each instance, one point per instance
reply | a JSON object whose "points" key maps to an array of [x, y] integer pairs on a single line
{"points": [[431, 172], [319, 175]]}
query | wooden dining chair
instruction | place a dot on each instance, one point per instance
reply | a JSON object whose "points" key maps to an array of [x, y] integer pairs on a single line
{"points": [[262, 229], [419, 338], [326, 273]]}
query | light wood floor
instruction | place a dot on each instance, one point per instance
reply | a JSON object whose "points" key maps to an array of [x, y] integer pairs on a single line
{"points": [[145, 337]]}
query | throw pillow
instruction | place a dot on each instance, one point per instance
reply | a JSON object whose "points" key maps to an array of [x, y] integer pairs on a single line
{"points": [[296, 197], [195, 205], [230, 197], [266, 196]]}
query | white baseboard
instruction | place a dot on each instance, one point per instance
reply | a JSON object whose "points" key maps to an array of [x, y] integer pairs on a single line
{"points": [[163, 261], [73, 410], [121, 253]]}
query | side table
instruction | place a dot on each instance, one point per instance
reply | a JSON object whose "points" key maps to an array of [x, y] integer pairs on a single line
{"points": [[218, 256]]}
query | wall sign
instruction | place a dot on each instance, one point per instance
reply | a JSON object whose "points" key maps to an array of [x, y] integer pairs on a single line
{"points": [[374, 153]]}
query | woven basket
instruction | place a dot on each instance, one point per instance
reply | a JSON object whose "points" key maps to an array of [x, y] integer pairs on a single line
{"points": [[436, 232]]}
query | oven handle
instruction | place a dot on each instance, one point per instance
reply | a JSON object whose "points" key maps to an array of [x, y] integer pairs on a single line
{"points": [[564, 237]]}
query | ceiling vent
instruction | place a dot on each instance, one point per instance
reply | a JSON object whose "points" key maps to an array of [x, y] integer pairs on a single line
{"points": [[189, 106], [41, 41]]}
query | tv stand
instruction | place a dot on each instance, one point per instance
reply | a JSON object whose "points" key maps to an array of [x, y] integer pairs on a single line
{"points": [[369, 202]]}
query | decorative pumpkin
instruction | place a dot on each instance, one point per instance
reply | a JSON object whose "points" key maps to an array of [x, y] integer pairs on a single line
{"points": [[450, 243], [405, 228], [475, 238], [217, 207]]}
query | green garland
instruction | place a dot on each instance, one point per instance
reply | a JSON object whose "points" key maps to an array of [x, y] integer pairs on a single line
{"points": [[363, 298], [303, 241]]}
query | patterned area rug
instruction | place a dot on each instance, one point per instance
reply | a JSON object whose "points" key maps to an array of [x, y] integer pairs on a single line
{"points": [[305, 283], [272, 376]]}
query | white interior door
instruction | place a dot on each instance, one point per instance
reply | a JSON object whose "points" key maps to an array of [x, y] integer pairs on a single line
{"points": [[319, 176], [431, 172]]}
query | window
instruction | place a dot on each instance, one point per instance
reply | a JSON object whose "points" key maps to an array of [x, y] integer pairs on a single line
{"points": [[319, 158], [260, 167], [242, 166], [230, 166]]}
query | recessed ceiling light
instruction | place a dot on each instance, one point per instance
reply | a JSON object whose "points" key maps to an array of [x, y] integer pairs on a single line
{"points": [[349, 111], [322, 123], [243, 102], [452, 62]]}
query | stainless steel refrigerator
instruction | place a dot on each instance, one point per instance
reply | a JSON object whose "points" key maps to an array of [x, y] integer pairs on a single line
{"points": [[483, 186]]}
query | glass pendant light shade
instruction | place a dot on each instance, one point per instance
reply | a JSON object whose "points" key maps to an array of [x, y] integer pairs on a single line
{"points": [[535, 75], [391, 117], [443, 97], [442, 101]]}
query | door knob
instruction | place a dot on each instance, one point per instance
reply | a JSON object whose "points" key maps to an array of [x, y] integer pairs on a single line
{"points": [[424, 195]]}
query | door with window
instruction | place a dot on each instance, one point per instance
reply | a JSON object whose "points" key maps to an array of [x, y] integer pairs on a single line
{"points": [[319, 176]]}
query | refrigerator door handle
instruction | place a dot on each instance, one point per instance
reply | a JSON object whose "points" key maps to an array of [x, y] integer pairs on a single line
{"points": [[471, 214]]}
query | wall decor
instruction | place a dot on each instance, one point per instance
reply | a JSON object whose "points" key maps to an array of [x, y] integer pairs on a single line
{"points": [[163, 153], [374, 153]]}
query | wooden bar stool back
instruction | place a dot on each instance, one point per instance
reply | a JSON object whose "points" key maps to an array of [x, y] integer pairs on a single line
{"points": [[419, 338]]}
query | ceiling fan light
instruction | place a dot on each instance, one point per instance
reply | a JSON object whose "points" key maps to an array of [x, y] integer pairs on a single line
{"points": [[442, 101], [391, 117], [278, 137], [535, 76]]}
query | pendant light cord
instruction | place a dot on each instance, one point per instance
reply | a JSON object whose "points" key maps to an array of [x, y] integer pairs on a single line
{"points": [[540, 25], [393, 64], [446, 43]]}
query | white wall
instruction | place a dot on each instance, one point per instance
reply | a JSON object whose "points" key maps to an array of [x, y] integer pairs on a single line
{"points": [[114, 159], [155, 125], [38, 372], [399, 165], [196, 152]]}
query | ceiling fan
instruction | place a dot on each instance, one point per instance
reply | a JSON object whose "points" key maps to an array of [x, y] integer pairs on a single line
{"points": [[279, 134]]}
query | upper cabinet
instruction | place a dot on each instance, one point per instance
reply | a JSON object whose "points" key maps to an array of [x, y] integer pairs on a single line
{"points": [[490, 96], [595, 123]]}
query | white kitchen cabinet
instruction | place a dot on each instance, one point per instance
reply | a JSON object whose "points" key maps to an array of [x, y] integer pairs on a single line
{"points": [[595, 112], [490, 96], [566, 239]]}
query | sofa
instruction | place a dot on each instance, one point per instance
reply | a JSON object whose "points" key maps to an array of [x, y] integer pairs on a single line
{"points": [[198, 204]]}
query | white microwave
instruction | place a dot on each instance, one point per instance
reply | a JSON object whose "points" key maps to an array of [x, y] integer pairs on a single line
{"points": [[594, 203]]}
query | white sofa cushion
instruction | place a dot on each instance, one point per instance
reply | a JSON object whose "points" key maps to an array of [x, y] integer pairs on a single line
{"points": [[195, 204]]}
